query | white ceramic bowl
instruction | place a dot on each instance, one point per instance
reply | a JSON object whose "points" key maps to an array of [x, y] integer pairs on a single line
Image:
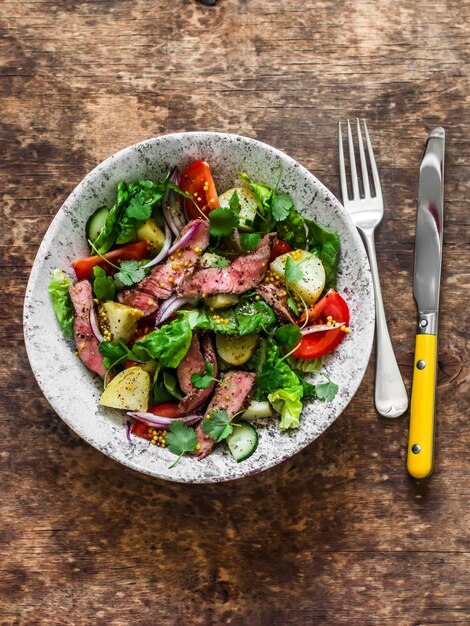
{"points": [[73, 391]]}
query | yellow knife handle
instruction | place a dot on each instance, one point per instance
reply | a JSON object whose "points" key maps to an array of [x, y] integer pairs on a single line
{"points": [[423, 400]]}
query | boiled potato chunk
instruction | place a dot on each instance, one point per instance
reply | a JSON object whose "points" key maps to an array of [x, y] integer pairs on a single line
{"points": [[122, 320], [129, 390], [150, 232], [221, 301], [248, 206], [312, 283], [236, 350]]}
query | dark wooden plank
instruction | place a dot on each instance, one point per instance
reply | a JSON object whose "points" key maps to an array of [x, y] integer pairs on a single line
{"points": [[339, 534]]}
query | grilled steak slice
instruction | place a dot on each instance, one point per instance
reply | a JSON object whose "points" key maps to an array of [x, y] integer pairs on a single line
{"points": [[237, 387], [246, 272], [195, 363], [276, 297], [164, 278], [87, 345]]}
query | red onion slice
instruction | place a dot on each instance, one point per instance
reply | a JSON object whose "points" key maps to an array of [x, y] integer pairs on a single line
{"points": [[164, 252], [184, 239], [321, 328], [170, 306], [128, 431], [95, 326], [172, 206], [158, 421]]}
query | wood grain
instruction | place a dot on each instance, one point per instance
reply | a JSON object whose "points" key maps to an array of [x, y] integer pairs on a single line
{"points": [[339, 534]]}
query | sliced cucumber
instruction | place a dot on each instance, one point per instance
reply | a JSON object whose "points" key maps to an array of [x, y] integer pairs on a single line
{"points": [[242, 442], [95, 223], [248, 206], [235, 349], [257, 410]]}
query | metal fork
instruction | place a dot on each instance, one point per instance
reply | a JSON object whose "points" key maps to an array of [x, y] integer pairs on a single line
{"points": [[366, 212]]}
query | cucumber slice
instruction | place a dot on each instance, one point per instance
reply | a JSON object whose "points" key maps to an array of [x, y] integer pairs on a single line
{"points": [[257, 410], [242, 442], [95, 223]]}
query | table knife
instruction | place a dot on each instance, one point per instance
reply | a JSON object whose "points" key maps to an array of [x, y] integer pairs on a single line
{"points": [[426, 285]]}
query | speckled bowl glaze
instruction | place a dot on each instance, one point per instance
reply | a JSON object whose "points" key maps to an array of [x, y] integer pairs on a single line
{"points": [[73, 391]]}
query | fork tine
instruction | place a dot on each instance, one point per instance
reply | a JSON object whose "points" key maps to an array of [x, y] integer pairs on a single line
{"points": [[375, 173], [352, 162], [365, 174], [342, 169]]}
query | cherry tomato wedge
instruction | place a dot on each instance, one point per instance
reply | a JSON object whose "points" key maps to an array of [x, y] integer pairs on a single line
{"points": [[280, 247], [167, 409], [141, 430], [198, 182], [130, 252], [317, 344]]}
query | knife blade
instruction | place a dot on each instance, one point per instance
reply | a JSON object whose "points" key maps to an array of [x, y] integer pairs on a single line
{"points": [[426, 287]]}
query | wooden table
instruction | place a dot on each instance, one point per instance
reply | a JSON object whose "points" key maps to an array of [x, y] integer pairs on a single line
{"points": [[339, 534]]}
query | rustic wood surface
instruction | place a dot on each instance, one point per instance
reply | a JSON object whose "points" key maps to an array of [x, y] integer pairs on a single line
{"points": [[339, 534]]}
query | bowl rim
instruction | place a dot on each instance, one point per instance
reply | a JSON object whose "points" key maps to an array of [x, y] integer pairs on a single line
{"points": [[55, 226]]}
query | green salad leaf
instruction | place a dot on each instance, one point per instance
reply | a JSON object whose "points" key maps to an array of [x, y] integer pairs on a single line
{"points": [[130, 273], [171, 385], [114, 353], [202, 381], [250, 241], [61, 301], [288, 402], [224, 220], [292, 230], [293, 271], [326, 246], [180, 439], [287, 336], [281, 205], [103, 285], [167, 344], [254, 316], [326, 391]]}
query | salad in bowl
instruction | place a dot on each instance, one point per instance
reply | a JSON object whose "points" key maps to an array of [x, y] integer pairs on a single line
{"points": [[204, 310]]}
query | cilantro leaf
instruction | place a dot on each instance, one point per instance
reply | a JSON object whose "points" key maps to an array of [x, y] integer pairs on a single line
{"points": [[291, 303], [281, 204], [203, 381], [326, 391], [250, 241], [288, 336], [138, 210], [217, 425], [114, 353], [103, 285], [223, 221], [293, 271], [180, 439], [234, 202], [131, 272]]}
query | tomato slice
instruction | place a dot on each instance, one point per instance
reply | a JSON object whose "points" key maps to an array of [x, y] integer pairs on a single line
{"points": [[280, 247], [166, 409], [317, 344], [130, 252], [198, 182]]}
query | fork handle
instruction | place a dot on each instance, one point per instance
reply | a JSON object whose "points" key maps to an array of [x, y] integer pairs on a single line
{"points": [[391, 399]]}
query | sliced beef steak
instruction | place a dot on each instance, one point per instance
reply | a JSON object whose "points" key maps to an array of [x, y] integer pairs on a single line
{"points": [[194, 362], [87, 345], [246, 272], [276, 297], [164, 278], [232, 394]]}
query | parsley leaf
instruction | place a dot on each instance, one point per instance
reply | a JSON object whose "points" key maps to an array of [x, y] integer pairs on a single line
{"points": [[217, 425], [114, 353], [131, 272], [326, 391], [288, 336], [180, 439], [224, 220], [281, 204], [103, 285], [293, 271], [250, 241], [203, 381]]}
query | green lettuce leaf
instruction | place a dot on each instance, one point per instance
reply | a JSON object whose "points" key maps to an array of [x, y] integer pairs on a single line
{"points": [[61, 302], [288, 402], [168, 344], [254, 316]]}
